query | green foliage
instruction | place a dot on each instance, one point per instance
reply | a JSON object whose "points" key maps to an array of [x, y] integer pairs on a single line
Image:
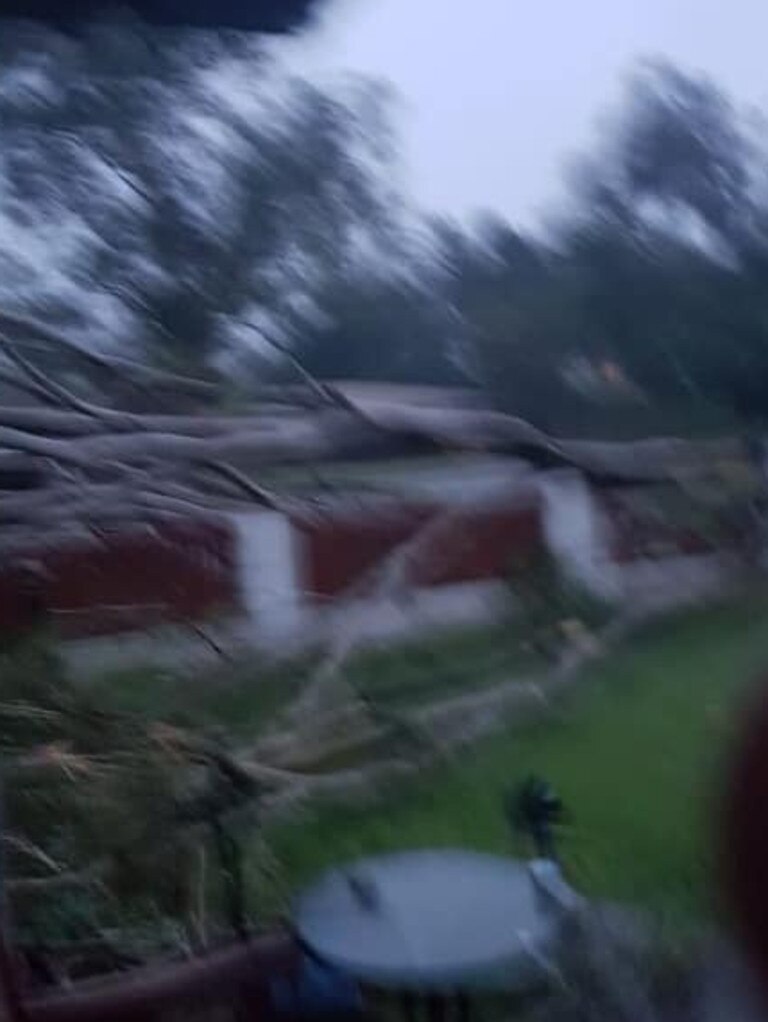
{"points": [[107, 811], [418, 672], [376, 326], [122, 794], [653, 284], [548, 600], [634, 757], [198, 229], [196, 222]]}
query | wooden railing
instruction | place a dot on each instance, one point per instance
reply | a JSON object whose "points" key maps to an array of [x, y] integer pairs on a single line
{"points": [[235, 977]]}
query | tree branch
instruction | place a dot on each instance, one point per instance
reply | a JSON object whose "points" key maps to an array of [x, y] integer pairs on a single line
{"points": [[55, 390], [122, 369], [245, 484], [25, 385], [326, 394]]}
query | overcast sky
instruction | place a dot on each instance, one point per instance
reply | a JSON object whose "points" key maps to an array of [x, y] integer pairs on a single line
{"points": [[490, 109]]}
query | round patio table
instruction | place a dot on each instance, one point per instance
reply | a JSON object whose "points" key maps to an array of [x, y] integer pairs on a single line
{"points": [[431, 922]]}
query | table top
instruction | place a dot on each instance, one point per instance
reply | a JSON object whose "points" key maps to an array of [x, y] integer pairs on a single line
{"points": [[430, 920]]}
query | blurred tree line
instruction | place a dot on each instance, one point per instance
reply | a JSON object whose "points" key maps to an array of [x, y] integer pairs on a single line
{"points": [[646, 302], [184, 202]]}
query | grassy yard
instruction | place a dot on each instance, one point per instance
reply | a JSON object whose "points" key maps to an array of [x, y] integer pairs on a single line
{"points": [[240, 699], [634, 755]]}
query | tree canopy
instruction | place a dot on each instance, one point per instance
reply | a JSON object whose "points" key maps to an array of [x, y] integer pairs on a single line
{"points": [[184, 222], [650, 292], [187, 228]]}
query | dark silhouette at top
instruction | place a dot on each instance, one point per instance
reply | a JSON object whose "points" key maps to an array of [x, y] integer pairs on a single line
{"points": [[248, 15]]}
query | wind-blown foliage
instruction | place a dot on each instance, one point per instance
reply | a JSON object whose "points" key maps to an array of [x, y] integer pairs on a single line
{"points": [[182, 215], [651, 291]]}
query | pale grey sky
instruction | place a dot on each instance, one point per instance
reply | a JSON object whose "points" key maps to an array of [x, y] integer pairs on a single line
{"points": [[492, 104]]}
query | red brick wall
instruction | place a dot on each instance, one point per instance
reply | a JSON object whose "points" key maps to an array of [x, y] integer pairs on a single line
{"points": [[637, 535], [188, 571], [475, 544], [174, 572]]}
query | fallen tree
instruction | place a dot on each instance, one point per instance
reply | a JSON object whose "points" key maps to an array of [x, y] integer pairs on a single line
{"points": [[99, 461]]}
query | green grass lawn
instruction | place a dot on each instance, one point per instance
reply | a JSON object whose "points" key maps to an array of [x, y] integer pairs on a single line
{"points": [[240, 699], [634, 753]]}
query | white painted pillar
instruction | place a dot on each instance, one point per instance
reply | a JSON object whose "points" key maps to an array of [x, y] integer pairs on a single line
{"points": [[577, 533], [269, 575]]}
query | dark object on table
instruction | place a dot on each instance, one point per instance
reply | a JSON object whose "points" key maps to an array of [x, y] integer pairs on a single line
{"points": [[365, 891], [536, 809], [246, 15]]}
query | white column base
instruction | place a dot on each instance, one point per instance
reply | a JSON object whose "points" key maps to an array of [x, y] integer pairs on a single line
{"points": [[269, 576]]}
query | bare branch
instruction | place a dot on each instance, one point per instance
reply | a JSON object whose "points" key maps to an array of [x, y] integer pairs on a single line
{"points": [[90, 877], [55, 390], [124, 370], [33, 851], [27, 386], [308, 715], [247, 485], [78, 142], [326, 394], [373, 427]]}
